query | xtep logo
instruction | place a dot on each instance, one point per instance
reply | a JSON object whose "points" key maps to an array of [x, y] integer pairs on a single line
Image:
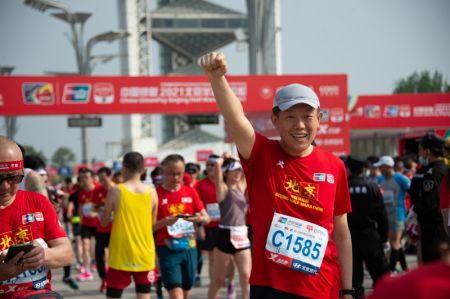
{"points": [[280, 163]]}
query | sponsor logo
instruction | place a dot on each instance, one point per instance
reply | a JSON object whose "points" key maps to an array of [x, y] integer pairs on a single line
{"points": [[309, 227], [278, 259], [76, 93], [330, 178], [266, 92], [103, 93], [165, 201], [28, 218], [372, 111], [405, 111], [38, 93], [280, 163], [325, 115], [186, 199], [319, 177], [391, 111], [282, 220], [337, 115]]}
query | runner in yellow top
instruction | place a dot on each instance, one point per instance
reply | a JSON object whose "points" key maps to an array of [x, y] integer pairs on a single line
{"points": [[131, 247]]}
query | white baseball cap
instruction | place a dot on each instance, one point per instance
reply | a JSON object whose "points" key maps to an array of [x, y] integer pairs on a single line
{"points": [[294, 94], [385, 160]]}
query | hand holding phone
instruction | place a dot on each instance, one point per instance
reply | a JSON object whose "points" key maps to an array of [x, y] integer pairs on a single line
{"points": [[16, 248], [184, 216]]}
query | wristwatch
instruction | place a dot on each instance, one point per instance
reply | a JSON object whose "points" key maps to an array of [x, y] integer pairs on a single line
{"points": [[347, 292]]}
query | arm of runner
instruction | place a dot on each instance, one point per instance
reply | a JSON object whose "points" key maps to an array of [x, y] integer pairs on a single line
{"points": [[58, 254], [199, 217], [342, 238], [215, 67], [35, 183], [163, 222], [110, 205], [155, 201], [218, 180]]}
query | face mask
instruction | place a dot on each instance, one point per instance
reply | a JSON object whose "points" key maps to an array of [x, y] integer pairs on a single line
{"points": [[423, 161]]}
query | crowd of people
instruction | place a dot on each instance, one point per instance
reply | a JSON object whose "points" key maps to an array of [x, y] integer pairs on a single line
{"points": [[291, 219]]}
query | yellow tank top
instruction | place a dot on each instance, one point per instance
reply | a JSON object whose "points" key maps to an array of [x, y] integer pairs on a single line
{"points": [[131, 246]]}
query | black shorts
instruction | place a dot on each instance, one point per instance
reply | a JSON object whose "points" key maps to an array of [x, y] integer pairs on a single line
{"points": [[88, 232], [224, 244], [210, 238], [257, 292], [76, 229]]}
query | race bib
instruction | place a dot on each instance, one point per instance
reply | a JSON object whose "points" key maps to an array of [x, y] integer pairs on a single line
{"points": [[213, 211], [181, 228], [388, 196], [239, 237], [87, 208], [297, 244]]}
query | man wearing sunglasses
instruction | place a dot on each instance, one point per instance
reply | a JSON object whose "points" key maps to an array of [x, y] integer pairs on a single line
{"points": [[26, 217]]}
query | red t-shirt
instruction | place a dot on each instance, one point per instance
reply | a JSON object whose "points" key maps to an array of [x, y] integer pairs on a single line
{"points": [[427, 281], [207, 192], [312, 188], [100, 195], [183, 201], [87, 202], [31, 216]]}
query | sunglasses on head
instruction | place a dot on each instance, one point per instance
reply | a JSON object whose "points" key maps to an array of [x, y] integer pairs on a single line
{"points": [[12, 179]]}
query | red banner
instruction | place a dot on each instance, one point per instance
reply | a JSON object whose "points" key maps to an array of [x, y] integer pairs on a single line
{"points": [[47, 95], [425, 110], [151, 161], [202, 155]]}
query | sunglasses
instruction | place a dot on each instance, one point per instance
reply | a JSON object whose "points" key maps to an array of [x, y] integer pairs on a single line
{"points": [[12, 179]]}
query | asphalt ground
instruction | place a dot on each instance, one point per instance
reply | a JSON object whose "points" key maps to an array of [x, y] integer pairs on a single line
{"points": [[90, 289]]}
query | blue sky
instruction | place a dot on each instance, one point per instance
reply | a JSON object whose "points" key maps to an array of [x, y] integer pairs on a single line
{"points": [[375, 43]]}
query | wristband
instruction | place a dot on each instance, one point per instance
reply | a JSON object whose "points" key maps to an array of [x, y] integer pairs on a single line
{"points": [[347, 292]]}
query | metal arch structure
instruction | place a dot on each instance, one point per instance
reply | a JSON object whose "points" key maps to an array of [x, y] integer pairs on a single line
{"points": [[187, 29]]}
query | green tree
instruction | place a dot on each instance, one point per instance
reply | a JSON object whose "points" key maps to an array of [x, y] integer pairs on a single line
{"points": [[30, 150], [421, 83], [63, 156]]}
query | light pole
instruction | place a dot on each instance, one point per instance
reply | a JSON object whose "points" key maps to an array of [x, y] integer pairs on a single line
{"points": [[85, 61]]}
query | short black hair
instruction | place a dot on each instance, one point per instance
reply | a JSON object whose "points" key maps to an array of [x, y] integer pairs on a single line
{"points": [[134, 162], [173, 158], [105, 170], [192, 168]]}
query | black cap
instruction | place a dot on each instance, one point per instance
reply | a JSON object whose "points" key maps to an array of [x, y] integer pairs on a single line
{"points": [[434, 143], [356, 163]]}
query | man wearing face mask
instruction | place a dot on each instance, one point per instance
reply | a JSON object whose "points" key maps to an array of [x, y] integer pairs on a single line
{"points": [[425, 196]]}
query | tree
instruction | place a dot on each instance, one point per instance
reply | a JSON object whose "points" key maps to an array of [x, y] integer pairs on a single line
{"points": [[421, 83], [63, 156], [30, 150]]}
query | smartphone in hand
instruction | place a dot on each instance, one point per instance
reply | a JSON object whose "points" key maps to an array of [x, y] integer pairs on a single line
{"points": [[184, 216], [16, 248]]}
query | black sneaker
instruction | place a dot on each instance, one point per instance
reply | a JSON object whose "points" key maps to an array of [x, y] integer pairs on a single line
{"points": [[70, 282]]}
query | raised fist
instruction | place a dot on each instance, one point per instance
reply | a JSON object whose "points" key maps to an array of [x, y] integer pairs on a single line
{"points": [[214, 64]]}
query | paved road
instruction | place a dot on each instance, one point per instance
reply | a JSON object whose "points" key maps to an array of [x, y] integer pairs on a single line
{"points": [[91, 289]]}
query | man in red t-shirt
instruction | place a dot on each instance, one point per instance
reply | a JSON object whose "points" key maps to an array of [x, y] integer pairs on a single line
{"points": [[178, 209], [298, 195], [27, 217], [87, 209], [102, 233]]}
